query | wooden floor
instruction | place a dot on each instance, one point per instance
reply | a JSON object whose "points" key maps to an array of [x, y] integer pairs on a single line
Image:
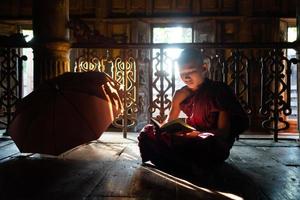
{"points": [[110, 168]]}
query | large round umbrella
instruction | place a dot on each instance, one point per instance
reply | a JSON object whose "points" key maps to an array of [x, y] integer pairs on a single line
{"points": [[64, 112]]}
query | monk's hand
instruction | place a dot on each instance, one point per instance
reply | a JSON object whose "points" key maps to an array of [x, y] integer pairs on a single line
{"points": [[180, 134], [205, 135], [192, 134]]}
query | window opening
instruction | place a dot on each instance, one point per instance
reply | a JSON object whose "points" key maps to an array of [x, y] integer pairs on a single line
{"points": [[291, 53], [27, 65], [170, 35]]}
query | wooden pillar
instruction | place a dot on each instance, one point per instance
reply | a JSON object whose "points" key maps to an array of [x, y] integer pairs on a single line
{"points": [[51, 39]]}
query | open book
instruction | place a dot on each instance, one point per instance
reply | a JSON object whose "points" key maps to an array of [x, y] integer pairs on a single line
{"points": [[174, 126]]}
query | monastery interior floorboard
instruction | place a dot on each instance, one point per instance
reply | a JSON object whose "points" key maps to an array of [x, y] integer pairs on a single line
{"points": [[110, 168]]}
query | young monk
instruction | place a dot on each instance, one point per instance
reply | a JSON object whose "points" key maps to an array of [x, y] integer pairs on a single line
{"points": [[211, 108]]}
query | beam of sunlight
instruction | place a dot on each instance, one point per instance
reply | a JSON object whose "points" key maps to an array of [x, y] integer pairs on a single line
{"points": [[231, 196], [129, 157], [170, 178], [189, 185]]}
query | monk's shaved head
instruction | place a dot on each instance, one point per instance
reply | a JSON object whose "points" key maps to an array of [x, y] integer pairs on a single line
{"points": [[190, 55]]}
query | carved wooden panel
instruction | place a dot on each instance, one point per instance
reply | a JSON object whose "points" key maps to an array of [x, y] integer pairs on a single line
{"points": [[229, 6], [205, 31], [7, 29], [89, 4], [195, 10], [218, 6], [137, 6], [74, 5], [172, 6], [228, 31], [82, 7], [267, 6], [162, 5], [263, 30], [209, 6], [127, 7], [140, 32], [25, 7], [183, 5], [118, 6], [120, 32]]}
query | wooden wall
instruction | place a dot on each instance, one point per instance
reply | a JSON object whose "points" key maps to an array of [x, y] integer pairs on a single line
{"points": [[228, 20], [279, 8], [97, 9]]}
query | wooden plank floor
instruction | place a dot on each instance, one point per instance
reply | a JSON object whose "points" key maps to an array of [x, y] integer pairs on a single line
{"points": [[110, 168]]}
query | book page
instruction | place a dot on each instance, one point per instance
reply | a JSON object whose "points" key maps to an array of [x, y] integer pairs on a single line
{"points": [[155, 123], [176, 125]]}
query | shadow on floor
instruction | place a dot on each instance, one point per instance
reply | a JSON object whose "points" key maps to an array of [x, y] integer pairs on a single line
{"points": [[225, 181], [48, 178]]}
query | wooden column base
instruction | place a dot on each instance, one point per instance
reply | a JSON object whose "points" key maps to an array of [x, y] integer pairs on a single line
{"points": [[50, 60]]}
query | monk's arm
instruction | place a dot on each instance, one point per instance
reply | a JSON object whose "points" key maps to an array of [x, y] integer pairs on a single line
{"points": [[175, 110], [222, 131], [178, 97]]}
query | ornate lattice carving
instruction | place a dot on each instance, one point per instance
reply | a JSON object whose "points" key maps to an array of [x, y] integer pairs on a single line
{"points": [[88, 60], [162, 84], [125, 72], [10, 83], [216, 69], [123, 66], [275, 81], [143, 63], [123, 69], [215, 62], [238, 71]]}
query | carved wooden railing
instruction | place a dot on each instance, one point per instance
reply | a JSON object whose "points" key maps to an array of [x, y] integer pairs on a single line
{"points": [[142, 74], [231, 63], [11, 66]]}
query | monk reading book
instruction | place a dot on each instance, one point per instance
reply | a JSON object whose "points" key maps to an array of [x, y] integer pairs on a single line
{"points": [[173, 126], [211, 108]]}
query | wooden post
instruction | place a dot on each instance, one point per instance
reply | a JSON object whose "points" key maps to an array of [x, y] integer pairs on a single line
{"points": [[51, 39]]}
